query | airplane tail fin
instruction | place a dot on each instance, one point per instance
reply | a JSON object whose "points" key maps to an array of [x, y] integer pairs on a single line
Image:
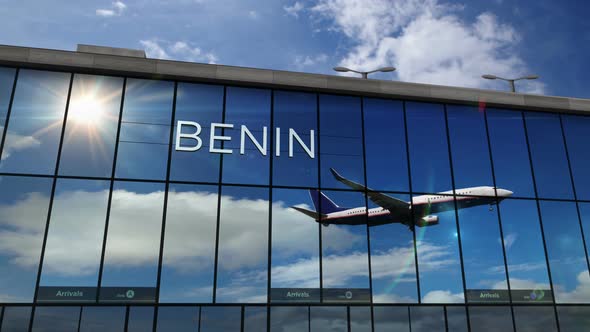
{"points": [[322, 203], [309, 213]]}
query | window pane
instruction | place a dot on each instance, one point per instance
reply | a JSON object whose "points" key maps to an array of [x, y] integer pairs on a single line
{"points": [[573, 319], [133, 242], [145, 130], [23, 215], [345, 260], [295, 248], [174, 319], [584, 209], [243, 245], [221, 319], [341, 139], [548, 153], [35, 123], [91, 126], [250, 108], [289, 319], [56, 319], [385, 142], [74, 241], [16, 319], [360, 319], [569, 269], [297, 111], [531, 319], [527, 267], [189, 244], [254, 319], [99, 319], [429, 153], [577, 130], [393, 260], [512, 166], [202, 104], [387, 319], [427, 319], [6, 84], [141, 319], [456, 319], [490, 319], [330, 319]]}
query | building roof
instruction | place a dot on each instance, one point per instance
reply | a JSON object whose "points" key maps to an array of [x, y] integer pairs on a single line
{"points": [[91, 59]]}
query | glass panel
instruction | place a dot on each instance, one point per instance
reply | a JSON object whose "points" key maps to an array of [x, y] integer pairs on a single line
{"points": [[523, 241], [577, 129], [531, 319], [427, 319], [332, 319], [243, 245], [91, 126], [16, 319], [360, 319], [573, 319], [341, 139], [548, 153], [569, 269], [429, 152], [490, 319], [250, 108], [23, 215], [512, 167], [145, 130], [289, 319], [438, 250], [393, 260], [174, 319], [133, 242], [56, 319], [255, 319], [345, 260], [385, 143], [221, 319], [74, 241], [35, 123], [141, 319], [456, 319], [99, 319], [6, 84], [295, 248], [295, 166], [584, 209], [202, 104], [189, 244], [387, 319]]}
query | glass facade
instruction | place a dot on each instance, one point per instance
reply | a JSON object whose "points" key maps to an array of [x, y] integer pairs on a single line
{"points": [[134, 205]]}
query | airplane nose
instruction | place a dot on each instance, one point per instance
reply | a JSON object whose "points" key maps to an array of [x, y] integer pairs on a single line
{"points": [[505, 193]]}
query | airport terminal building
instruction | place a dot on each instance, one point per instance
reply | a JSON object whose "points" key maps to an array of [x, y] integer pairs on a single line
{"points": [[139, 194]]}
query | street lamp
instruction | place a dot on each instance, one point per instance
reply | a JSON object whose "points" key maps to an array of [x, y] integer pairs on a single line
{"points": [[365, 74], [510, 80]]}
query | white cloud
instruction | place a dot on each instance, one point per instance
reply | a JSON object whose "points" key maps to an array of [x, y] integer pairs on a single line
{"points": [[442, 296], [179, 50], [117, 8], [253, 14], [509, 240], [16, 142], [295, 9], [302, 62], [427, 42]]}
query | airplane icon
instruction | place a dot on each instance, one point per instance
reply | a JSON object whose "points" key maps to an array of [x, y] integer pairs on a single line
{"points": [[393, 210]]}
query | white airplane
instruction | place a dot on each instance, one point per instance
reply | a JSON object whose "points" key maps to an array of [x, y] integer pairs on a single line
{"points": [[393, 210]]}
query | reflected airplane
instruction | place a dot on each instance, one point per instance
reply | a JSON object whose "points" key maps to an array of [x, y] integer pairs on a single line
{"points": [[393, 210]]}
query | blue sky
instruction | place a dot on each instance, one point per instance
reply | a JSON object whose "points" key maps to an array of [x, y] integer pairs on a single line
{"points": [[429, 41]]}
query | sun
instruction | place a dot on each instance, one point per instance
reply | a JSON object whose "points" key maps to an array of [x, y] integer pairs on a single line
{"points": [[87, 110]]}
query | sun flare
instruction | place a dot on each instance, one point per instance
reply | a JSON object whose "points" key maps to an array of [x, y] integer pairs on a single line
{"points": [[87, 110]]}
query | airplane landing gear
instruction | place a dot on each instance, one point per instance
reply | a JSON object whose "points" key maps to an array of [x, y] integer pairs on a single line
{"points": [[325, 224]]}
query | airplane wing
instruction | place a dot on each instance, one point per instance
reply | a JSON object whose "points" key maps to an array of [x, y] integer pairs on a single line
{"points": [[384, 201]]}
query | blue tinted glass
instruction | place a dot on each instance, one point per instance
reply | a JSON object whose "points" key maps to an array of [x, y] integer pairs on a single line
{"points": [[255, 319], [567, 259], [548, 153], [141, 319], [56, 319], [360, 319], [385, 143], [174, 319], [202, 104], [295, 166], [35, 123], [429, 153], [512, 167], [145, 130], [16, 319], [577, 135], [585, 217], [573, 319], [286, 319], [457, 319], [189, 244], [99, 319], [6, 84], [427, 319], [249, 108], [91, 126], [243, 245], [532, 319], [387, 319], [341, 142], [331, 319], [486, 319], [220, 319], [23, 215]]}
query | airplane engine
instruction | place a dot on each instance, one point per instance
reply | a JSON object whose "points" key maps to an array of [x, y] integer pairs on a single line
{"points": [[427, 221]]}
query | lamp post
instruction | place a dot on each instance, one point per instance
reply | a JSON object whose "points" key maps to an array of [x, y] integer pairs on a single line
{"points": [[364, 74], [510, 80]]}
